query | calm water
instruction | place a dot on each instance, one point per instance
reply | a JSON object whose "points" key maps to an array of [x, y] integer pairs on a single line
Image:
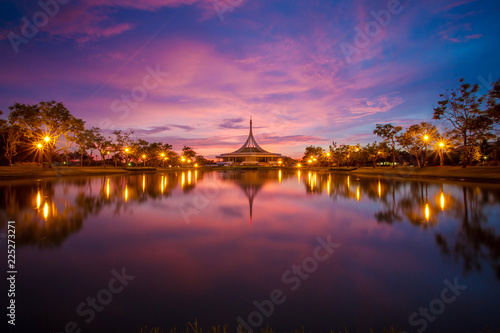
{"points": [[216, 246]]}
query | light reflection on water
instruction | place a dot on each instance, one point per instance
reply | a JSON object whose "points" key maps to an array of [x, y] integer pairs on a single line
{"points": [[399, 240]]}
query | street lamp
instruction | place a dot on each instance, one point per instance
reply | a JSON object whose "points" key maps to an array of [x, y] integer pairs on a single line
{"points": [[426, 138], [441, 148], [163, 158], [40, 151], [144, 159]]}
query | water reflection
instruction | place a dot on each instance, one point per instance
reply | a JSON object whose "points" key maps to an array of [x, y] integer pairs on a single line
{"points": [[47, 212], [397, 236]]}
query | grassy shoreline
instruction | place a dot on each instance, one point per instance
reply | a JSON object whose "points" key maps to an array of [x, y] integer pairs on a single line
{"points": [[478, 174]]}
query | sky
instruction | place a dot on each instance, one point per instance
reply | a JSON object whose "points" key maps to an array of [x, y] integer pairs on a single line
{"points": [[193, 72]]}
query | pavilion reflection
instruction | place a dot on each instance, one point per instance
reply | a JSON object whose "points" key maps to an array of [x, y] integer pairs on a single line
{"points": [[252, 181]]}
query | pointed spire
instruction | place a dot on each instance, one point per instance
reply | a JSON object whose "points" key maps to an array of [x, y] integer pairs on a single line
{"points": [[251, 144]]}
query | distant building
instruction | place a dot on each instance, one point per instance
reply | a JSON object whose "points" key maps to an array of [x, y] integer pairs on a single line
{"points": [[249, 154]]}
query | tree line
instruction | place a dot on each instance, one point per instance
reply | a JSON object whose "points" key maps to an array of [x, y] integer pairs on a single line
{"points": [[48, 132], [470, 122]]}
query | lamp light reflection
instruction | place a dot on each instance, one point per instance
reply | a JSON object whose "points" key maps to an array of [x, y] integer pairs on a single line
{"points": [[442, 201], [38, 200], [45, 210]]}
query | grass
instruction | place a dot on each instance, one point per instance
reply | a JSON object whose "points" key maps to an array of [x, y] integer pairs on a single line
{"points": [[194, 328], [473, 173]]}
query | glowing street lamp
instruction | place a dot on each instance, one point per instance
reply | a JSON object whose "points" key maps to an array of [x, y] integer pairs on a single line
{"points": [[47, 139], [163, 158], [39, 146], [144, 159], [441, 148], [426, 139]]}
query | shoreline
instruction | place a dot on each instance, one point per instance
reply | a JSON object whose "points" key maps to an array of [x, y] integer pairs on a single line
{"points": [[484, 174]]}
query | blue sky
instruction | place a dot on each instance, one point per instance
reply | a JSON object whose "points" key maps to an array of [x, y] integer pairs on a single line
{"points": [[192, 72]]}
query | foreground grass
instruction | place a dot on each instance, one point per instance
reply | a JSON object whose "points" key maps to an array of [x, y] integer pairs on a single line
{"points": [[193, 328]]}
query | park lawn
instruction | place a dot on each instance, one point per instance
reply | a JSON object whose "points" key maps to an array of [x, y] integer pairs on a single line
{"points": [[36, 172], [475, 173]]}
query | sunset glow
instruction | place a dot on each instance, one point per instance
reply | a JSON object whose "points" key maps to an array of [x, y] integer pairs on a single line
{"points": [[185, 73]]}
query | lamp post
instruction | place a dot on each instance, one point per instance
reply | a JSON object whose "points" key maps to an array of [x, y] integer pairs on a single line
{"points": [[47, 142], [163, 158], [39, 146], [144, 159], [426, 139], [441, 147], [126, 154]]}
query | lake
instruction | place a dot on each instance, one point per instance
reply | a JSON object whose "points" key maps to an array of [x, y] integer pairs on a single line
{"points": [[279, 247]]}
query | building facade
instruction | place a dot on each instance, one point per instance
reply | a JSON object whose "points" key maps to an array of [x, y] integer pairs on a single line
{"points": [[249, 154]]}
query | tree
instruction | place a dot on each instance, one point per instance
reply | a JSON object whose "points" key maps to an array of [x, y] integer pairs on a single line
{"points": [[102, 144], [376, 151], [388, 132], [188, 152], [312, 154], [200, 160], [46, 123], [121, 142], [462, 109], [86, 140], [11, 136], [416, 138], [165, 152], [493, 102]]}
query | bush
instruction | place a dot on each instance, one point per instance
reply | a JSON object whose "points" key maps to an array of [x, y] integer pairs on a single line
{"points": [[28, 164]]}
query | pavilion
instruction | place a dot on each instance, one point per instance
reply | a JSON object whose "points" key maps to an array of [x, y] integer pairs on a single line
{"points": [[249, 154]]}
